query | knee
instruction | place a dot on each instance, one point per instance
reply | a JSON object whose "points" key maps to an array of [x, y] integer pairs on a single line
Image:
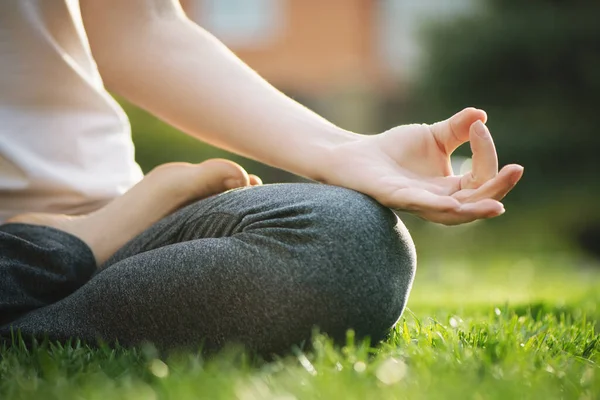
{"points": [[372, 261], [358, 226]]}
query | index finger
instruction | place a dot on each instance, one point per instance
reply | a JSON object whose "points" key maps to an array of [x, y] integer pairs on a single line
{"points": [[485, 159]]}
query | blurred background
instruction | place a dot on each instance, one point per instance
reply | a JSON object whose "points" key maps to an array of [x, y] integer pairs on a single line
{"points": [[368, 65]]}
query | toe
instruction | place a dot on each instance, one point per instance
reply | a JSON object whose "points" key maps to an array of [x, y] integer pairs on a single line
{"points": [[255, 180], [197, 181], [218, 175]]}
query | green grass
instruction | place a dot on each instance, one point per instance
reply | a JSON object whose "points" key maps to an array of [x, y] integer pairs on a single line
{"points": [[508, 328]]}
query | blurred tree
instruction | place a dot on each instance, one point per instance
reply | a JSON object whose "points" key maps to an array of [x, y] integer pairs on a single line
{"points": [[535, 67]]}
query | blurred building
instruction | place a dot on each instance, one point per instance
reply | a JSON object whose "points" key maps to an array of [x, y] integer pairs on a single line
{"points": [[340, 57]]}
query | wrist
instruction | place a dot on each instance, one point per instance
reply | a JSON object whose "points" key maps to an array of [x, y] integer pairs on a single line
{"points": [[328, 154]]}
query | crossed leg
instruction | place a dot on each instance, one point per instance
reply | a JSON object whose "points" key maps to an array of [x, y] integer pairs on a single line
{"points": [[260, 266]]}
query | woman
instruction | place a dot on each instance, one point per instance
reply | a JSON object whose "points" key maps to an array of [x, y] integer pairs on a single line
{"points": [[91, 250]]}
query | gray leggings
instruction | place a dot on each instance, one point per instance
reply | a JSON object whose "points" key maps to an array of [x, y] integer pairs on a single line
{"points": [[260, 266]]}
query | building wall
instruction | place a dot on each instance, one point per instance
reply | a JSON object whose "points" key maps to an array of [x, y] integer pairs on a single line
{"points": [[317, 47]]}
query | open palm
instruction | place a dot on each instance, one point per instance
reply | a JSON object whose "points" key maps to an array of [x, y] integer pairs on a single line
{"points": [[408, 168]]}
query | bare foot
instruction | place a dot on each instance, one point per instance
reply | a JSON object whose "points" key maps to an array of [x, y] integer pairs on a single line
{"points": [[161, 192]]}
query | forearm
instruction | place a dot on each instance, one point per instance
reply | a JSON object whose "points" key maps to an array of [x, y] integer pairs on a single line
{"points": [[182, 74]]}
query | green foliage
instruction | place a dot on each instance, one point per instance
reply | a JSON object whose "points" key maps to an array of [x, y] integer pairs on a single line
{"points": [[520, 332], [535, 67]]}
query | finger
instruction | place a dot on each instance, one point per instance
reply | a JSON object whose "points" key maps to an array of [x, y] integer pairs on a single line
{"points": [[468, 212], [485, 159], [255, 180], [496, 188], [482, 209], [446, 185], [443, 186], [454, 131], [421, 200]]}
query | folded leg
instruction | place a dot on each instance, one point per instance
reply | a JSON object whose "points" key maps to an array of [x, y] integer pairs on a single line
{"points": [[39, 266], [261, 266]]}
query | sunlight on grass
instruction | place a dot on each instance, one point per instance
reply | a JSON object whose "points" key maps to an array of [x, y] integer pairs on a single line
{"points": [[461, 282]]}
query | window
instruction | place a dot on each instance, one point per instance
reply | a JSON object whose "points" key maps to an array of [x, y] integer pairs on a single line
{"points": [[243, 23]]}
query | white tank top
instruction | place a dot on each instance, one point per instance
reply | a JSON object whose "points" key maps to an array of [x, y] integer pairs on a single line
{"points": [[65, 144]]}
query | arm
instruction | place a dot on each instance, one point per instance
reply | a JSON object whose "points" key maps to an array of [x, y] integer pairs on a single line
{"points": [[150, 53]]}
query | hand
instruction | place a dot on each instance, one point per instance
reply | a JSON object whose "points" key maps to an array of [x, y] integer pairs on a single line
{"points": [[408, 168]]}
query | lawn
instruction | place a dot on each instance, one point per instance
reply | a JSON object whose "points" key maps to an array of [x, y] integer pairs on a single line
{"points": [[509, 328]]}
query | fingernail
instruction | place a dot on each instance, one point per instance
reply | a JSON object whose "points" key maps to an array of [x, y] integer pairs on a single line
{"points": [[233, 183], [480, 129], [517, 176]]}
